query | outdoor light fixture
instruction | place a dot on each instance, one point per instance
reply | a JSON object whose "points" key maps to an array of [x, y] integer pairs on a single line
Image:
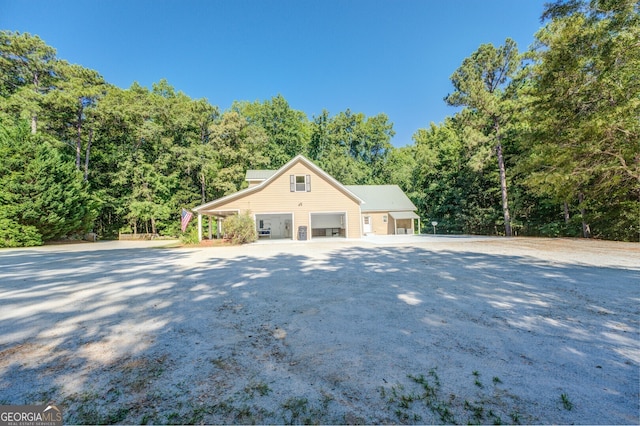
{"points": [[434, 223]]}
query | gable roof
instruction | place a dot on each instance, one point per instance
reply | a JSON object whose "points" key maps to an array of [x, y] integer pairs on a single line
{"points": [[382, 198], [275, 174]]}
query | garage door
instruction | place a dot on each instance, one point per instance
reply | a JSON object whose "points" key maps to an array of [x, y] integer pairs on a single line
{"points": [[275, 225], [325, 225]]}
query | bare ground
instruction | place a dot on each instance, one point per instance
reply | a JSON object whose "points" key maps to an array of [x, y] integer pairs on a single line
{"points": [[386, 330]]}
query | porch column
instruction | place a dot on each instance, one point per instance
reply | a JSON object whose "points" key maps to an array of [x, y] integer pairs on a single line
{"points": [[395, 226], [210, 227], [199, 227], [419, 227], [219, 219]]}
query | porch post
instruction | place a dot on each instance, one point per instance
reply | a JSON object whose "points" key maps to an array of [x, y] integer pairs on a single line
{"points": [[395, 226], [419, 227], [210, 227], [199, 227], [219, 220]]}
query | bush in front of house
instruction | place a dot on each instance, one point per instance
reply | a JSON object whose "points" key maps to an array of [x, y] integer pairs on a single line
{"points": [[240, 229], [190, 236]]}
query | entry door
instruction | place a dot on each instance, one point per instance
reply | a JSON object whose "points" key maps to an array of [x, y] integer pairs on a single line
{"points": [[366, 220]]}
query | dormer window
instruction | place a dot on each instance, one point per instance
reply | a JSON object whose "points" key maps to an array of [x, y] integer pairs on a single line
{"points": [[300, 183]]}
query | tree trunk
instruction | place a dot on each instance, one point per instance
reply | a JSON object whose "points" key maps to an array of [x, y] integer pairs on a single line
{"points": [[566, 213], [34, 115], [503, 188], [586, 229], [86, 156], [79, 139], [202, 188], [153, 226], [34, 124]]}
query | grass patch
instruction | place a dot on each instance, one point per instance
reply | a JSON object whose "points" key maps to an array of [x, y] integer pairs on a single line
{"points": [[423, 400], [566, 402]]}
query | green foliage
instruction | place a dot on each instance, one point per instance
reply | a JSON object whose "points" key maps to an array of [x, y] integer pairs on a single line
{"points": [[583, 106], [190, 236], [286, 130], [484, 87], [565, 127], [13, 234], [351, 147], [39, 188], [240, 229]]}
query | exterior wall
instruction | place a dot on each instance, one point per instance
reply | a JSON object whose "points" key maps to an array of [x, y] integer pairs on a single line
{"points": [[378, 226], [277, 197]]}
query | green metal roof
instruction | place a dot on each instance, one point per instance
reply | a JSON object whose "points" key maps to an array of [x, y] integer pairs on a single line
{"points": [[382, 198], [259, 174], [404, 215]]}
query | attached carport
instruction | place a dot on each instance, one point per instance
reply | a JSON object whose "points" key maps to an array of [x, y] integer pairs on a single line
{"points": [[274, 225], [330, 224], [403, 222], [220, 215]]}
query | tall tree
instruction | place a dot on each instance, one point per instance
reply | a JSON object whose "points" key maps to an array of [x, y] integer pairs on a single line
{"points": [[40, 188], [71, 108], [586, 113], [482, 85], [239, 144], [350, 146], [287, 129], [452, 187], [27, 66]]}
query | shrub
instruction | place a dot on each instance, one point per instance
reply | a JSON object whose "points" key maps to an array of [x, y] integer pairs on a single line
{"points": [[240, 229], [12, 234], [190, 236]]}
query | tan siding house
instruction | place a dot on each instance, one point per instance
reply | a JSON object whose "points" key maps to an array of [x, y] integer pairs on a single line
{"points": [[299, 201]]}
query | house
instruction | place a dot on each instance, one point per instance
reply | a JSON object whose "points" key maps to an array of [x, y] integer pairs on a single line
{"points": [[300, 201]]}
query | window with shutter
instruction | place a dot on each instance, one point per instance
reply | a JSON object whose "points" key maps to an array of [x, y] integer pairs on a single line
{"points": [[300, 183]]}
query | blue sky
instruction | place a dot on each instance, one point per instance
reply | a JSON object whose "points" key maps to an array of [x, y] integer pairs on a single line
{"points": [[393, 57]]}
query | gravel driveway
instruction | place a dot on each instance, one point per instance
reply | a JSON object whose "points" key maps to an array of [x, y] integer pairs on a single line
{"points": [[388, 330]]}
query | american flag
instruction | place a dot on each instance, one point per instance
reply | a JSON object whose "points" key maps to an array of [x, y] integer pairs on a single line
{"points": [[186, 217]]}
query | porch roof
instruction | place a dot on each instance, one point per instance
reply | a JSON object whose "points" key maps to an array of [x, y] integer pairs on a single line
{"points": [[404, 215]]}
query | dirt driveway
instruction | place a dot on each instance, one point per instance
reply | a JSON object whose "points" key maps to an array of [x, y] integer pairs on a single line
{"points": [[407, 330]]}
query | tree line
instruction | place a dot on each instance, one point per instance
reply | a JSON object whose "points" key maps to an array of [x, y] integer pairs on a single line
{"points": [[544, 142]]}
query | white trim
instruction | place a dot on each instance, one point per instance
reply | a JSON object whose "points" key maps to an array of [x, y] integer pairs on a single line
{"points": [[346, 224], [293, 235], [199, 227], [293, 226], [346, 221]]}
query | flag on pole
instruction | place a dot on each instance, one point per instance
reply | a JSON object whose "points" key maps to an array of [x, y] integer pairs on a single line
{"points": [[186, 217]]}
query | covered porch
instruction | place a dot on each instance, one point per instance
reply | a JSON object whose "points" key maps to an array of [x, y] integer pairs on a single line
{"points": [[404, 222], [219, 216]]}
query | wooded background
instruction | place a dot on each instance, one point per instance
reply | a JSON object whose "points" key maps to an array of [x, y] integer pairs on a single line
{"points": [[544, 142]]}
